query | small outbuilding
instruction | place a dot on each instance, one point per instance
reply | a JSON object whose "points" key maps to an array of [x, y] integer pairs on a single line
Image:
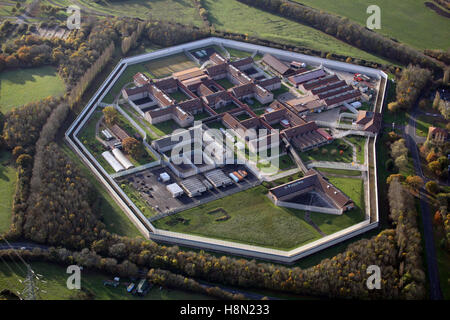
{"points": [[175, 190], [164, 177]]}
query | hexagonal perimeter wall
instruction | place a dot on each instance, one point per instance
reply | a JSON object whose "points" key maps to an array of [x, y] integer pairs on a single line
{"points": [[149, 231]]}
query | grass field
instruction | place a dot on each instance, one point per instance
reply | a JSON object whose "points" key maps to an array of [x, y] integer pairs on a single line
{"points": [[164, 67], [113, 216], [182, 11], [164, 128], [254, 220], [321, 155], [55, 287], [18, 87], [238, 54], [231, 15], [354, 188], [8, 180], [408, 21], [359, 143], [225, 83], [340, 172]]}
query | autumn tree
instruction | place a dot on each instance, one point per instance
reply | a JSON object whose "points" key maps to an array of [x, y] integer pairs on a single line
{"points": [[432, 187], [132, 147], [415, 182], [111, 115]]}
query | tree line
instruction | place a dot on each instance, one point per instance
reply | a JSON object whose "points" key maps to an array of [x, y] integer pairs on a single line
{"points": [[409, 86]]}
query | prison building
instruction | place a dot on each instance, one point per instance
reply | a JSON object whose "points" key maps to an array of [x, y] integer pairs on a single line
{"points": [[188, 74], [122, 159], [318, 81], [112, 161], [141, 79], [306, 105], [218, 178], [312, 181], [175, 113], [217, 58], [193, 187], [277, 66], [175, 190], [168, 84], [341, 98], [251, 90], [335, 91], [371, 121], [270, 84], [328, 86], [218, 71], [236, 76], [218, 99], [307, 136], [119, 132], [243, 64], [301, 78]]}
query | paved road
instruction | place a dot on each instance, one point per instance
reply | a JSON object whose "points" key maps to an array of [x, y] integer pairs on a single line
{"points": [[20, 245], [430, 250]]}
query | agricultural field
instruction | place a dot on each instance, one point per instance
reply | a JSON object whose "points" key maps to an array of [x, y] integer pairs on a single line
{"points": [[408, 21], [8, 180], [18, 87], [173, 10], [92, 287], [231, 15], [164, 67], [253, 219]]}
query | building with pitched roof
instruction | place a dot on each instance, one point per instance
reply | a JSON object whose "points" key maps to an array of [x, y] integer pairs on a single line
{"points": [[278, 67], [370, 121], [437, 135], [289, 194]]}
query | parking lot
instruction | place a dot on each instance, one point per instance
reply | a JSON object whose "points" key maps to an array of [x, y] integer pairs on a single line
{"points": [[156, 195]]}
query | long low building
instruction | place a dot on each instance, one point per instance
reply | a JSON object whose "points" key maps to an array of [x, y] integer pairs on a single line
{"points": [[122, 159], [218, 178], [193, 187], [312, 181], [112, 161]]}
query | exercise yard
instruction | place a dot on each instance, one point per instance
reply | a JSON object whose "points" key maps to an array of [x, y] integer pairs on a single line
{"points": [[247, 217], [18, 87], [164, 67]]}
